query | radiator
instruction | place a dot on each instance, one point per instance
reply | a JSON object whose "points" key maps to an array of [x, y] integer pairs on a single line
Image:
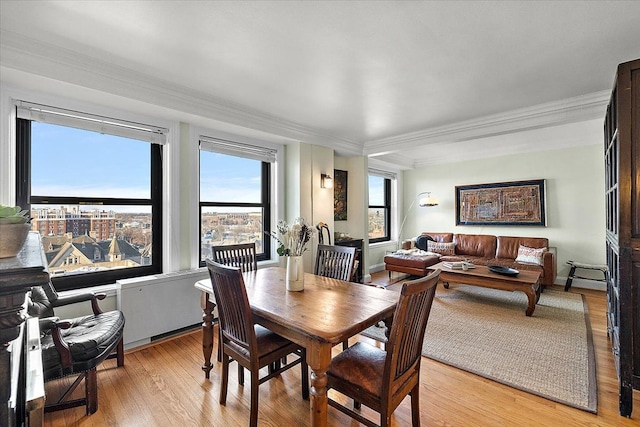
{"points": [[158, 304]]}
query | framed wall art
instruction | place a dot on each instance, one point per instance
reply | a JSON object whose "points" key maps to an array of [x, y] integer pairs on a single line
{"points": [[339, 195], [502, 203]]}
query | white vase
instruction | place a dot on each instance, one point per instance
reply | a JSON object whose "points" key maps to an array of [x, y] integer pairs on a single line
{"points": [[295, 273]]}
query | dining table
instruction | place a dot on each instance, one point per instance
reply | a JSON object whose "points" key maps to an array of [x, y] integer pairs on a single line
{"points": [[326, 313]]}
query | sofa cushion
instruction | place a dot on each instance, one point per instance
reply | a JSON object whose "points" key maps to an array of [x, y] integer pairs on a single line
{"points": [[508, 246], [480, 245], [529, 255], [441, 248]]}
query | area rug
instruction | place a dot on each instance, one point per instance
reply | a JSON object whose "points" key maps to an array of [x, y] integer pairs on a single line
{"points": [[485, 332]]}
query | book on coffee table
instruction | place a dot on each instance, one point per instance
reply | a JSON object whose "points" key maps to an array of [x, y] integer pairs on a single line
{"points": [[459, 265]]}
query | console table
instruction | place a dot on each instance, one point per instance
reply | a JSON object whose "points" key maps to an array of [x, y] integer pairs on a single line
{"points": [[355, 243], [21, 391]]}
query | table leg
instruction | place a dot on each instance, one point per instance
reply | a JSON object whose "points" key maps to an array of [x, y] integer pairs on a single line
{"points": [[532, 296], [318, 359], [207, 332]]}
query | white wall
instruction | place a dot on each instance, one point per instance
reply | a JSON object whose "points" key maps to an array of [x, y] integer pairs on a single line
{"points": [[574, 194]]}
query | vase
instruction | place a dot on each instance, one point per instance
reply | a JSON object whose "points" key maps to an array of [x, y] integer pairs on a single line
{"points": [[12, 237], [295, 274]]}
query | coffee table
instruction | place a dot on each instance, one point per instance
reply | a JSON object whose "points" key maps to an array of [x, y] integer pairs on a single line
{"points": [[526, 281]]}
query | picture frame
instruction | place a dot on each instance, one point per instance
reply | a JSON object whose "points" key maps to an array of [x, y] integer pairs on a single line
{"points": [[521, 203], [340, 195]]}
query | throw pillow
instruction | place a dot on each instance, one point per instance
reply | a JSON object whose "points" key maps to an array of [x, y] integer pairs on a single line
{"points": [[530, 255], [441, 248], [421, 242]]}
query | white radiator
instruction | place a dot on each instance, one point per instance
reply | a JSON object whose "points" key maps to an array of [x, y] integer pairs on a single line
{"points": [[155, 305]]}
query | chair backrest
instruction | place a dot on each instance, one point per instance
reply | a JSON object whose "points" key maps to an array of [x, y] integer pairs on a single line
{"points": [[41, 300], [234, 311], [404, 347], [335, 262], [241, 255]]}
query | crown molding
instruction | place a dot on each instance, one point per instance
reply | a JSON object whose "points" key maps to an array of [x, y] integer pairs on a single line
{"points": [[48, 60], [577, 109]]}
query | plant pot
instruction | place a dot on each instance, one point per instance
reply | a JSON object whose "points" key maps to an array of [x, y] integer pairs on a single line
{"points": [[12, 237]]}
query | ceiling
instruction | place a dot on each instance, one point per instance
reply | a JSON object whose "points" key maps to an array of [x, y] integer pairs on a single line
{"points": [[407, 83]]}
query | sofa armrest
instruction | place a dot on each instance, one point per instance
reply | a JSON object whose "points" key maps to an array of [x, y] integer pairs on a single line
{"points": [[549, 264]]}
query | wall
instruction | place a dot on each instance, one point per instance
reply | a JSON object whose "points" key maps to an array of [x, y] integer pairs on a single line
{"points": [[574, 194]]}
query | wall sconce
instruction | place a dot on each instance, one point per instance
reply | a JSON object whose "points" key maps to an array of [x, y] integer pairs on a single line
{"points": [[326, 181]]}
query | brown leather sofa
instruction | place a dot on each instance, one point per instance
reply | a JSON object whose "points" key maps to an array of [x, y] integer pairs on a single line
{"points": [[480, 249]]}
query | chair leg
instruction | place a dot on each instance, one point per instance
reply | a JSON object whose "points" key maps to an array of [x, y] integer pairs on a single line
{"points": [[415, 406], [304, 372], [253, 421], [240, 374], [91, 390], [219, 343], [345, 345], [120, 353], [225, 379], [357, 405]]}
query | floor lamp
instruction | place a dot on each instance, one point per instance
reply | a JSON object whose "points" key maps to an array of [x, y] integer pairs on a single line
{"points": [[426, 201]]}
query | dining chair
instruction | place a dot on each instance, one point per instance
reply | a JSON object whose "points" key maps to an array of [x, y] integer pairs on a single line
{"points": [[335, 261], [381, 379], [251, 345], [241, 255], [75, 346]]}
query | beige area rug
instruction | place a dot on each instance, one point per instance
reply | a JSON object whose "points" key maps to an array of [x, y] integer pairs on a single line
{"points": [[485, 332]]}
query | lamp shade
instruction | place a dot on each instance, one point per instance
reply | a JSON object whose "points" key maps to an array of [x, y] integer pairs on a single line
{"points": [[428, 201]]}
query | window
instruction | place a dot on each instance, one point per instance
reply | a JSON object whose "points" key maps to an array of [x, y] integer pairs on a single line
{"points": [[379, 214], [235, 201], [94, 188]]}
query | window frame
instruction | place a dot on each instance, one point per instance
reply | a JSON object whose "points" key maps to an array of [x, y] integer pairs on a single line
{"points": [[265, 205], [25, 199], [386, 208]]}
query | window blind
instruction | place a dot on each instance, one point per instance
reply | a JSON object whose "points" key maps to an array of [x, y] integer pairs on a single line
{"points": [[76, 119], [239, 149], [382, 173]]}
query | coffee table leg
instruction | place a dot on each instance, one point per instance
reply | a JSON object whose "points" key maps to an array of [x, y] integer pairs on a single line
{"points": [[532, 296]]}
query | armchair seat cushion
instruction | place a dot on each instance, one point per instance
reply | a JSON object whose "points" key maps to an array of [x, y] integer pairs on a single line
{"points": [[90, 339]]}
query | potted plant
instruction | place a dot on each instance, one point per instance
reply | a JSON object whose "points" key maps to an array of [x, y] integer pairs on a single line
{"points": [[14, 227]]}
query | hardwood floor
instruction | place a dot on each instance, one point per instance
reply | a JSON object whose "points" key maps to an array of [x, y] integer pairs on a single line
{"points": [[163, 385]]}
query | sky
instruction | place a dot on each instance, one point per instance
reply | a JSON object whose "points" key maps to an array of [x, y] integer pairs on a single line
{"points": [[67, 161]]}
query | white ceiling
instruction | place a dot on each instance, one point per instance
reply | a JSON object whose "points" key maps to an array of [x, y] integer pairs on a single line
{"points": [[408, 83]]}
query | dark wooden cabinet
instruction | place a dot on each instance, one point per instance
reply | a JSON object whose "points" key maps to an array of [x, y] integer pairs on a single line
{"points": [[21, 384], [355, 243], [622, 198]]}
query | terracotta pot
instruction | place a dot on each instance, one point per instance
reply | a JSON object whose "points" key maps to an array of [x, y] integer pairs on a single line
{"points": [[12, 237]]}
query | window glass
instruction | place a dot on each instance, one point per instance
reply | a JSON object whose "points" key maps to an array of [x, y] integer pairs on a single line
{"points": [[234, 202], [93, 202], [379, 208]]}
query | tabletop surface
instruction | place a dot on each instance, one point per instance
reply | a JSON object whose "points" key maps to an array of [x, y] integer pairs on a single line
{"points": [[328, 310]]}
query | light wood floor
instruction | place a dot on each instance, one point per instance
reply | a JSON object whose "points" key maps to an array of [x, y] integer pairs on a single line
{"points": [[163, 385]]}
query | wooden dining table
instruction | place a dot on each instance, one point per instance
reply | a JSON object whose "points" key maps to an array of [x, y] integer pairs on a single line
{"points": [[327, 312]]}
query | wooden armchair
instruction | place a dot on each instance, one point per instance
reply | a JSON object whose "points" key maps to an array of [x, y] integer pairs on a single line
{"points": [[251, 345], [380, 379], [75, 346], [335, 261]]}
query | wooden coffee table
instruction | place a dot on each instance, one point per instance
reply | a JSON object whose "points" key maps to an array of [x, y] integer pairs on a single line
{"points": [[526, 281]]}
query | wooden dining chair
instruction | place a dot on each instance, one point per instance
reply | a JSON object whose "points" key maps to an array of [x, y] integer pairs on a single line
{"points": [[251, 345], [380, 379], [335, 261], [241, 255]]}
